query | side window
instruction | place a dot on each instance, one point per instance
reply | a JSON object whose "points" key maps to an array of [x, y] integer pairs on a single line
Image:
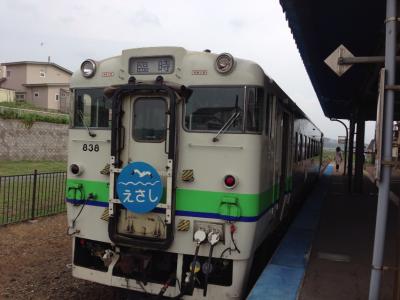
{"points": [[315, 148], [301, 148], [311, 148], [255, 99], [268, 114], [149, 120], [305, 147], [296, 145]]}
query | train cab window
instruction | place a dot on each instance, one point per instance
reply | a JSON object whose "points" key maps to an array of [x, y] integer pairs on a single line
{"points": [[211, 108], [91, 109], [254, 109], [149, 120]]}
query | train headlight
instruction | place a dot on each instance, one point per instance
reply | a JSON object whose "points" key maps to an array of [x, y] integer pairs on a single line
{"points": [[224, 63], [230, 181], [76, 169], [88, 68]]}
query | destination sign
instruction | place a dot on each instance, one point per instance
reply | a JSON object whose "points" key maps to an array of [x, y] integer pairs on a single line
{"points": [[139, 187], [151, 65]]}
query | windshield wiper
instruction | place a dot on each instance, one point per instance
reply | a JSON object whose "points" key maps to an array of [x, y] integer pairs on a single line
{"points": [[226, 126], [84, 123]]}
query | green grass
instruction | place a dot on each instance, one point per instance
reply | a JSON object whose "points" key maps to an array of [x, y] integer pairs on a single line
{"points": [[25, 105], [27, 167], [28, 118], [328, 155]]}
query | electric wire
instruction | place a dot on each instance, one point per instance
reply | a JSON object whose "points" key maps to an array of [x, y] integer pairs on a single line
{"points": [[229, 248], [80, 211]]}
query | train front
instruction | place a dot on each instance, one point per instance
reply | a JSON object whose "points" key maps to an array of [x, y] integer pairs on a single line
{"points": [[156, 151]]}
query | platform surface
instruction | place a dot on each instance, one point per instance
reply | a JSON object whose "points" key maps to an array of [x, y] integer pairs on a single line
{"points": [[327, 251]]}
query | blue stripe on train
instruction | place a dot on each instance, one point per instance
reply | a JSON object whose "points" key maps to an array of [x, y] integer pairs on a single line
{"points": [[180, 212]]}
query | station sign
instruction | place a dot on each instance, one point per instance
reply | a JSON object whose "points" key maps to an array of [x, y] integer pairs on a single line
{"points": [[341, 140]]}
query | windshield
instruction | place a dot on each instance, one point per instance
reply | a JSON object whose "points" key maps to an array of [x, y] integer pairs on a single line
{"points": [[210, 108], [91, 109]]}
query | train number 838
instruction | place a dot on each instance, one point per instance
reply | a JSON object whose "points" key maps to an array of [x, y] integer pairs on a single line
{"points": [[91, 147]]}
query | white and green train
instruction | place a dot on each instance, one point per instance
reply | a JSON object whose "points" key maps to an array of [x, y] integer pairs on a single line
{"points": [[180, 165]]}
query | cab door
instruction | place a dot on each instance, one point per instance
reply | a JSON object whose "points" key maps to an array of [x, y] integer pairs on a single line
{"points": [[146, 136]]}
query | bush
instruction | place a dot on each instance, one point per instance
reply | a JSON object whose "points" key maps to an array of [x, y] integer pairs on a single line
{"points": [[25, 105], [29, 118]]}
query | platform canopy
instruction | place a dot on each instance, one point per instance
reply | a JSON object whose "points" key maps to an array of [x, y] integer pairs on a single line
{"points": [[320, 27]]}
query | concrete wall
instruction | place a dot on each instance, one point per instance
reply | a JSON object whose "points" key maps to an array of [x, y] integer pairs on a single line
{"points": [[7, 95], [43, 141]]}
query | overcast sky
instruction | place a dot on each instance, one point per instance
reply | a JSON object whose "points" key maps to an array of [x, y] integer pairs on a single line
{"points": [[70, 31]]}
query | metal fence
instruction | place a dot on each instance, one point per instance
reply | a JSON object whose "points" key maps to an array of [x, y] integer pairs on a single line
{"points": [[24, 197]]}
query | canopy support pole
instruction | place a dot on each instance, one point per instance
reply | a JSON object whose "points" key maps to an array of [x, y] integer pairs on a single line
{"points": [[387, 134]]}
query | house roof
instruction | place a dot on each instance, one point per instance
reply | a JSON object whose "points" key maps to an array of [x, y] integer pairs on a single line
{"points": [[320, 27], [37, 63]]}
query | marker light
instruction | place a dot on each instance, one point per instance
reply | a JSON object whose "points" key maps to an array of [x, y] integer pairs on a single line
{"points": [[230, 181], [224, 63], [75, 169], [88, 68]]}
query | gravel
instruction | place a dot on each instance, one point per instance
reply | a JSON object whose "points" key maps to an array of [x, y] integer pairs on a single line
{"points": [[35, 260]]}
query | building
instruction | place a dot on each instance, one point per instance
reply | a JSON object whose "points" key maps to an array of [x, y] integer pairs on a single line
{"points": [[44, 84]]}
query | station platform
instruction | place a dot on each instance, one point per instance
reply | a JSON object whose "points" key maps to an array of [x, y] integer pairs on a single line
{"points": [[327, 251]]}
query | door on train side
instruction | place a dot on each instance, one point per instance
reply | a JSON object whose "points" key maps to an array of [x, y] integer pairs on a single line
{"points": [[282, 151], [285, 132]]}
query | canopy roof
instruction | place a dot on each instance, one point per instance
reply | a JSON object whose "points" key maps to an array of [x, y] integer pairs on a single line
{"points": [[319, 27]]}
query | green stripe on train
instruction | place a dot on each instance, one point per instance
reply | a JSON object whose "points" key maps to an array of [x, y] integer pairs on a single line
{"points": [[230, 204]]}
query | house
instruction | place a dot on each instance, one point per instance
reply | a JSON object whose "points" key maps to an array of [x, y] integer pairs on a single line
{"points": [[44, 84]]}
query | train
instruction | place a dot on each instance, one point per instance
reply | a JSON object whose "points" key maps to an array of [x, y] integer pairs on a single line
{"points": [[180, 165]]}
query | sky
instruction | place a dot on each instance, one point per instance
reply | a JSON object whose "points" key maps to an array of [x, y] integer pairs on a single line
{"points": [[70, 31]]}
